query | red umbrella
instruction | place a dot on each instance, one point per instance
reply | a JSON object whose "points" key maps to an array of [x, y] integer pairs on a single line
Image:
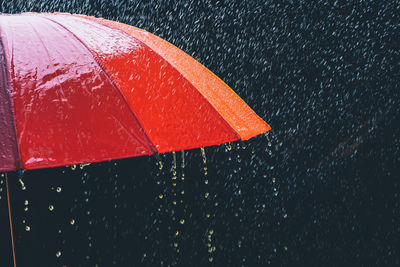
{"points": [[77, 89]]}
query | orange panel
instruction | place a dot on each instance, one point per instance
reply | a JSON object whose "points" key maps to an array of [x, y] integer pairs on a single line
{"points": [[229, 105]]}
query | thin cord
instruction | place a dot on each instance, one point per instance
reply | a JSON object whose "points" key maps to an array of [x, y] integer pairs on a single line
{"points": [[9, 216]]}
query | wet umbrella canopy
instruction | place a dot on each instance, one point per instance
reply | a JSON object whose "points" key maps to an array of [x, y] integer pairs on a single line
{"points": [[78, 89], [83, 89], [321, 189]]}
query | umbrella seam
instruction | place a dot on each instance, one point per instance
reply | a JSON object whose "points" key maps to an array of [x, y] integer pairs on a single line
{"points": [[152, 146], [10, 104], [180, 74]]}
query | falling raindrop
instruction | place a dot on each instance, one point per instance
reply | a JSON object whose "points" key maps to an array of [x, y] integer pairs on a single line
{"points": [[58, 254], [203, 154], [174, 162], [81, 166], [159, 162], [27, 228], [183, 159], [72, 222], [58, 189], [51, 208], [73, 167], [208, 215], [228, 147], [23, 187]]}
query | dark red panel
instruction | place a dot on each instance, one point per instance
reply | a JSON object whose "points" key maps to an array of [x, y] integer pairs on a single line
{"points": [[174, 114], [67, 110], [8, 146]]}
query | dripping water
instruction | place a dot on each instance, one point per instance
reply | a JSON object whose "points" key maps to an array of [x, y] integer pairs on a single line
{"points": [[209, 214]]}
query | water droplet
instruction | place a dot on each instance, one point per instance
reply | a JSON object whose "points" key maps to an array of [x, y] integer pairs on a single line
{"points": [[27, 228], [73, 167], [22, 184], [206, 195], [81, 166], [176, 233], [176, 245], [183, 159], [174, 158], [161, 196], [211, 231], [229, 146], [58, 254], [182, 221], [26, 202], [203, 154], [160, 165], [51, 208], [72, 222], [210, 259], [58, 189], [285, 215]]}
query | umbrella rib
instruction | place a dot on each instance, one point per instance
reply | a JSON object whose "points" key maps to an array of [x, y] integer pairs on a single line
{"points": [[7, 90], [150, 143]]}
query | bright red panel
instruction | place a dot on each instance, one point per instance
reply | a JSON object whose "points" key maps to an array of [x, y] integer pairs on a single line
{"points": [[8, 145], [67, 110], [174, 114]]}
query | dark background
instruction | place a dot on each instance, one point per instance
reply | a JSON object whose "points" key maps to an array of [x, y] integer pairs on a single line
{"points": [[321, 189]]}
